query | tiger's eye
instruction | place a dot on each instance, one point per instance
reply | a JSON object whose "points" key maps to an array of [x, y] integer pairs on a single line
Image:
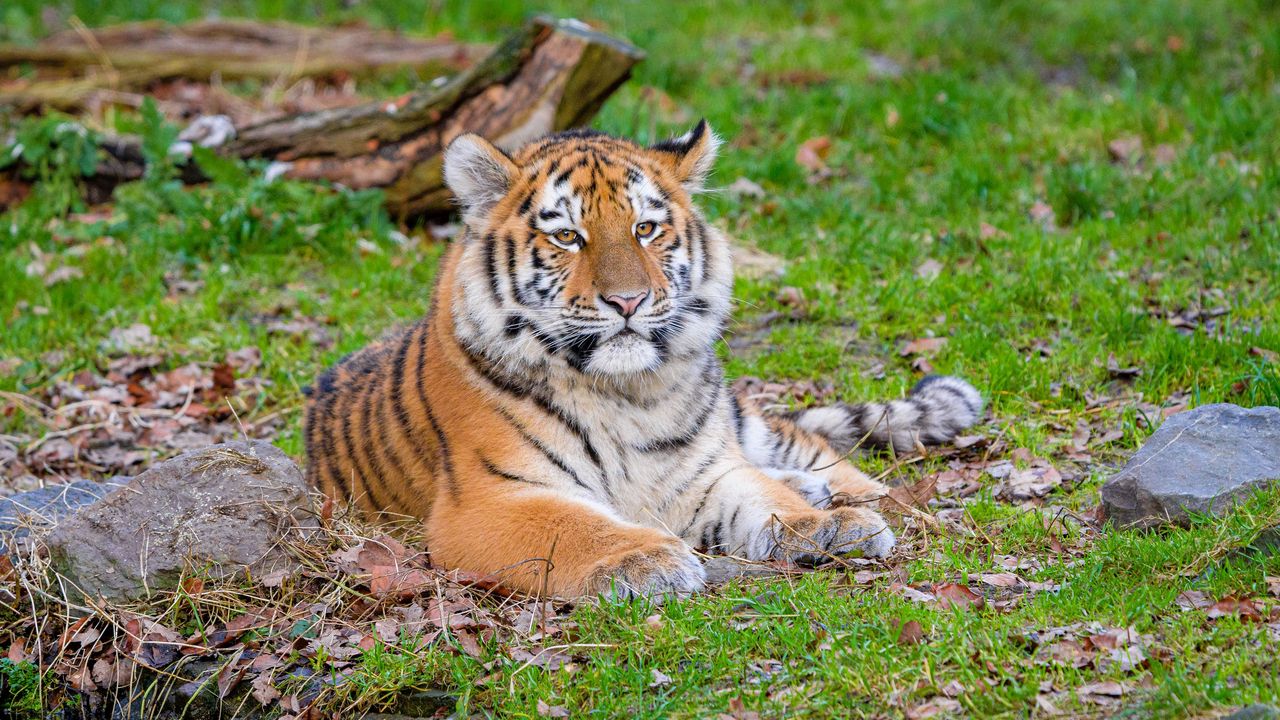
{"points": [[645, 229], [567, 237]]}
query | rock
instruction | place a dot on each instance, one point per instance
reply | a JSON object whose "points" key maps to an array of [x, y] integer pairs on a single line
{"points": [[21, 513], [1200, 461], [214, 512], [1257, 711]]}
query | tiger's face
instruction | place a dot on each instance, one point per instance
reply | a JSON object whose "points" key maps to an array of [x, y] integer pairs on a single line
{"points": [[586, 249]]}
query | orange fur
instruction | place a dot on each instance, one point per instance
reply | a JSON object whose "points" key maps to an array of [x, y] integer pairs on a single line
{"points": [[559, 418]]}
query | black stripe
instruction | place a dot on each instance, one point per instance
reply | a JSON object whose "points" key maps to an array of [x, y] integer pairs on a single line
{"points": [[738, 420], [398, 409], [528, 393], [445, 460], [935, 388], [697, 473], [495, 470], [491, 267], [377, 476], [388, 452], [683, 439], [693, 520], [328, 449], [547, 452], [344, 420]]}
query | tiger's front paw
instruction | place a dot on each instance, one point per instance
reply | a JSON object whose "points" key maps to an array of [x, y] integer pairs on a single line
{"points": [[813, 537], [653, 571]]}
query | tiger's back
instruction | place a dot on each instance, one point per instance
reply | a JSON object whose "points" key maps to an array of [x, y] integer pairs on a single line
{"points": [[363, 445]]}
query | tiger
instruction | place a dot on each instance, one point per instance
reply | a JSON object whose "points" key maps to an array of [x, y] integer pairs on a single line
{"points": [[560, 419]]}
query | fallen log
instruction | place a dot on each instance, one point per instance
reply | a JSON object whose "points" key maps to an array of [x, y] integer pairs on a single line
{"points": [[72, 68], [550, 75]]}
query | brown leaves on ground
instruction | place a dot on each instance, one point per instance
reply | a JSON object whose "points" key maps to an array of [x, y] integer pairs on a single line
{"points": [[778, 394], [116, 418], [262, 635]]}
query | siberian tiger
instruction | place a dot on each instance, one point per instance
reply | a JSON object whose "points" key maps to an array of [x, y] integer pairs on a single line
{"points": [[560, 417]]}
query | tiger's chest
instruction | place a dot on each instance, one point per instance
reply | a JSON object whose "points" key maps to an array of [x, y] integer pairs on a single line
{"points": [[641, 453]]}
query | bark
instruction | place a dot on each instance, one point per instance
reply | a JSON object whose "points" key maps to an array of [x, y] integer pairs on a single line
{"points": [[550, 75], [72, 67]]}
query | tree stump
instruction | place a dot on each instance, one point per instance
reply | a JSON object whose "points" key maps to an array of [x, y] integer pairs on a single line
{"points": [[552, 75]]}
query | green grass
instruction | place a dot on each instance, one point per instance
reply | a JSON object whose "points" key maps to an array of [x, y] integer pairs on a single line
{"points": [[999, 105]]}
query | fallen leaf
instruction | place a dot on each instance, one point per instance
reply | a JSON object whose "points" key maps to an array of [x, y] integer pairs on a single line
{"points": [[1100, 693], [63, 274], [1193, 600], [1121, 373], [1243, 608], [1270, 356], [556, 711], [1164, 154], [812, 153], [660, 679], [933, 708], [546, 658], [922, 346], [954, 595], [738, 711], [1029, 483], [745, 188], [916, 495], [1125, 149], [1043, 215], [263, 690], [929, 269], [1004, 580], [911, 633], [986, 232]]}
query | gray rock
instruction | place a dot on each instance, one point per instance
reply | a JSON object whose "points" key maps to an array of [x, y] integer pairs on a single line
{"points": [[21, 513], [1202, 461], [213, 513], [1257, 711]]}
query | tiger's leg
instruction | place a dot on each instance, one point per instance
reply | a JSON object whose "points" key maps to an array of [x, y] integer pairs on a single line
{"points": [[803, 461], [743, 511], [538, 540]]}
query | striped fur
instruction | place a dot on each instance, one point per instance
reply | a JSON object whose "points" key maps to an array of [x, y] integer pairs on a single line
{"points": [[560, 417]]}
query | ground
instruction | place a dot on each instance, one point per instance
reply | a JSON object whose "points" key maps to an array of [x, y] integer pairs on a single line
{"points": [[1071, 204]]}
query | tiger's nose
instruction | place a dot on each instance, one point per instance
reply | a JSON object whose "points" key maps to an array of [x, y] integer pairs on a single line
{"points": [[626, 305]]}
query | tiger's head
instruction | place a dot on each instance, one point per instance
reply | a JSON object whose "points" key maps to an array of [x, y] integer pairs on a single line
{"points": [[586, 251]]}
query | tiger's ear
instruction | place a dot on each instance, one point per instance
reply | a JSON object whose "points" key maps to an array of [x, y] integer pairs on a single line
{"points": [[478, 173], [690, 156]]}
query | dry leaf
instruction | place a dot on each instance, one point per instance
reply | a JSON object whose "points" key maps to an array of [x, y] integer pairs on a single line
{"points": [[1125, 150], [554, 711], [958, 596], [1100, 693], [929, 269], [660, 679], [922, 346], [911, 633], [812, 153], [1004, 580]]}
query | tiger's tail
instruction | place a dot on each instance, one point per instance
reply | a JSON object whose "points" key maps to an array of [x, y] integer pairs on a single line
{"points": [[935, 411]]}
